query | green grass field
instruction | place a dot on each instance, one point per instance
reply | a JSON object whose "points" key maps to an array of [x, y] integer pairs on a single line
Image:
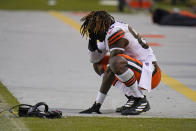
{"points": [[66, 5], [71, 5]]}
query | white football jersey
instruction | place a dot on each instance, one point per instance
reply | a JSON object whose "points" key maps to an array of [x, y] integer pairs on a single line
{"points": [[134, 48]]}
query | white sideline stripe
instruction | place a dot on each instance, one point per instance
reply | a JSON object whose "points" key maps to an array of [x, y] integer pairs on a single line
{"points": [[109, 2]]}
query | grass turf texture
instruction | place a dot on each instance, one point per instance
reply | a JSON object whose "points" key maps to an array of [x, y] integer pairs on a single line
{"points": [[8, 122], [111, 124], [66, 5], [73, 5]]}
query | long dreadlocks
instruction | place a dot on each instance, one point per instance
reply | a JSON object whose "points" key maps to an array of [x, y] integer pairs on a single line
{"points": [[96, 22]]}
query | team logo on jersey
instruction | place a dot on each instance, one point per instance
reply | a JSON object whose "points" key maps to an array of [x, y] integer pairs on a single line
{"points": [[146, 63]]}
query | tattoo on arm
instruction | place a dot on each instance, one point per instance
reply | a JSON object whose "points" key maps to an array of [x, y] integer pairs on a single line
{"points": [[141, 41]]}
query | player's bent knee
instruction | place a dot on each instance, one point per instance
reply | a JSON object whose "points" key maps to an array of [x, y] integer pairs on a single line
{"points": [[118, 64], [98, 68]]}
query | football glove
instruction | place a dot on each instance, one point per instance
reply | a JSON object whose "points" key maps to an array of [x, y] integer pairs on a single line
{"points": [[92, 44], [95, 108]]}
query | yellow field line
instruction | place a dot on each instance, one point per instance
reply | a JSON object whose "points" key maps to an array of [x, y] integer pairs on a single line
{"points": [[171, 82], [65, 19], [179, 87]]}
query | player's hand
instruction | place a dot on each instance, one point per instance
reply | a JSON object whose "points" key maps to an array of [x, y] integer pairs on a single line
{"points": [[92, 45], [94, 109]]}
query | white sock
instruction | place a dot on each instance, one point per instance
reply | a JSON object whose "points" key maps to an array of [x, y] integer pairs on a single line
{"points": [[129, 91], [100, 97], [128, 78]]}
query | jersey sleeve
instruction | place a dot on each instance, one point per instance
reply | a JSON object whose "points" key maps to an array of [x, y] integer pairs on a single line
{"points": [[114, 35]]}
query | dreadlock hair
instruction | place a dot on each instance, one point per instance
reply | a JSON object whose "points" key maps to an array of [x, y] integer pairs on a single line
{"points": [[96, 21]]}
